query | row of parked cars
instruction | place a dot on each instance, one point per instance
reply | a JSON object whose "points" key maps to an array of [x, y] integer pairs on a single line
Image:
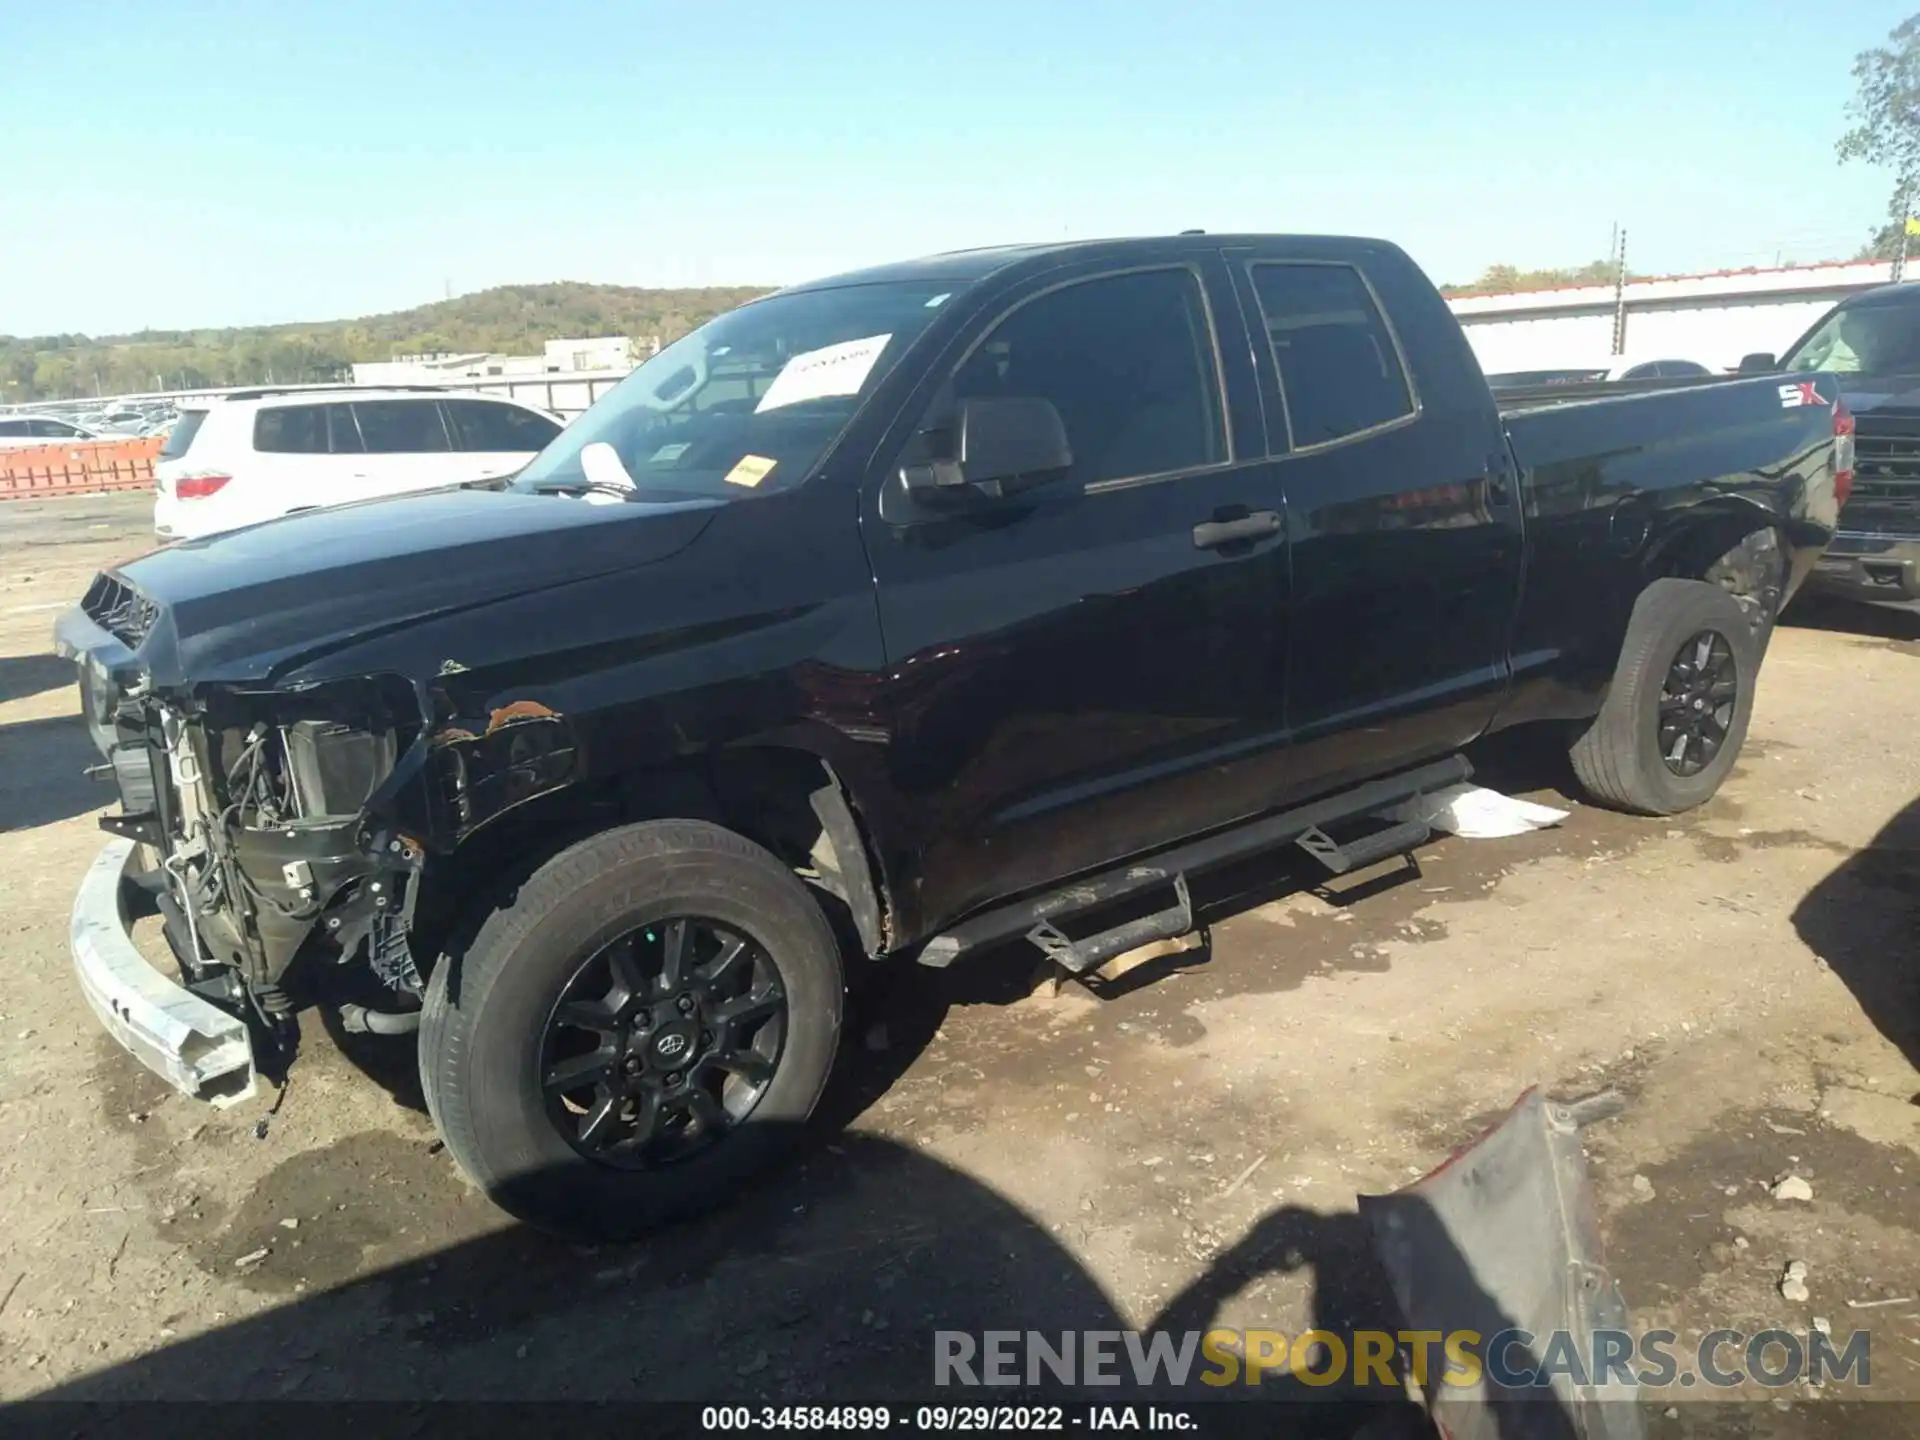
{"points": [[24, 428]]}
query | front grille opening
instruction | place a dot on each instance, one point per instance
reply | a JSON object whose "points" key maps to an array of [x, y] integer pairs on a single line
{"points": [[119, 609], [1886, 483]]}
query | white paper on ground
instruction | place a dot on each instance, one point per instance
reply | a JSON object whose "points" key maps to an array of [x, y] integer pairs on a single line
{"points": [[816, 374], [1475, 812]]}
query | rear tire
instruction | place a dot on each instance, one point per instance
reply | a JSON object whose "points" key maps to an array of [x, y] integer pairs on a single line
{"points": [[1677, 713], [605, 915]]}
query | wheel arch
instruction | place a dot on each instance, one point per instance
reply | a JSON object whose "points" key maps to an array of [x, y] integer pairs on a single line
{"points": [[790, 801], [1743, 553]]}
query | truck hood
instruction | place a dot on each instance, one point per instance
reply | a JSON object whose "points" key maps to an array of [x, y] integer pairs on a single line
{"points": [[245, 604], [1865, 394]]}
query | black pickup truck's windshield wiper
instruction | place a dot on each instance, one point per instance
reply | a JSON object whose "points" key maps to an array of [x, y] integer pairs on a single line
{"points": [[584, 487], [492, 482]]}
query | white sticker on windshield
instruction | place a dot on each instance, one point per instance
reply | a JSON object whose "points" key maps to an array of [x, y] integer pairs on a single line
{"points": [[667, 454], [817, 374]]}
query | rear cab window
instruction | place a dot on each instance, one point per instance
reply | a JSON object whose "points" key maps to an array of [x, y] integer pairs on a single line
{"points": [[1341, 372]]}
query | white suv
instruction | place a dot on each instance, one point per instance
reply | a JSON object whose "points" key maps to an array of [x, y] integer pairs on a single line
{"points": [[258, 454]]}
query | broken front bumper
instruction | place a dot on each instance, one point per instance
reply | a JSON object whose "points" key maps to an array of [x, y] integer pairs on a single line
{"points": [[194, 1046]]}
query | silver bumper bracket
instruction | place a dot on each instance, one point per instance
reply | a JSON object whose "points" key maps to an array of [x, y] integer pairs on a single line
{"points": [[193, 1045]]}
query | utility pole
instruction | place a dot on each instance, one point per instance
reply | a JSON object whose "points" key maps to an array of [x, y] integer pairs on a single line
{"points": [[1620, 292], [1906, 213]]}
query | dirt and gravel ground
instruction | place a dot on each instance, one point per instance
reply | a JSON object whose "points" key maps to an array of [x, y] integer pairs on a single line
{"points": [[1184, 1151]]}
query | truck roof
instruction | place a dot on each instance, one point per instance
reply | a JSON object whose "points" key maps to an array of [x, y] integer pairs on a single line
{"points": [[965, 266], [1896, 293]]}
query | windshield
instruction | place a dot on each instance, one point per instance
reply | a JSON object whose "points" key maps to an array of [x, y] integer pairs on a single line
{"points": [[748, 402], [1878, 339]]}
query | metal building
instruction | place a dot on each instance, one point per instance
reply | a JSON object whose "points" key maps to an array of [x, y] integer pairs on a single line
{"points": [[1714, 319]]}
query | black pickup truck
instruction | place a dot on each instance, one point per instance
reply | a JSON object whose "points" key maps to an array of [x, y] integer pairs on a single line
{"points": [[985, 596]]}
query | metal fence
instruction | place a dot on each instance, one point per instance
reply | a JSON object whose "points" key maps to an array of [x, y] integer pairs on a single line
{"points": [[564, 392]]}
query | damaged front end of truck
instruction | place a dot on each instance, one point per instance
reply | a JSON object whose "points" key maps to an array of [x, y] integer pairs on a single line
{"points": [[280, 833]]}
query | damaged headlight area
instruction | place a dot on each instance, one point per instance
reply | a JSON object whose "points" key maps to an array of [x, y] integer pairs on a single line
{"points": [[287, 867]]}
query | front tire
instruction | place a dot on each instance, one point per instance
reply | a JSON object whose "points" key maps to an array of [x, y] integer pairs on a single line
{"points": [[1677, 712], [639, 1030]]}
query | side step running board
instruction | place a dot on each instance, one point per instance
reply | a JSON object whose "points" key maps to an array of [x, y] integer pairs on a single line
{"points": [[1080, 956], [1038, 917], [1357, 854]]}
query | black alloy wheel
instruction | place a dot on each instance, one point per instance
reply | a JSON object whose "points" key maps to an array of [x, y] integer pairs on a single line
{"points": [[662, 1042], [1676, 713], [1697, 703]]}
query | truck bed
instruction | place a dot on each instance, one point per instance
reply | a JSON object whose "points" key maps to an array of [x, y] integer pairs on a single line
{"points": [[1515, 399], [1737, 419]]}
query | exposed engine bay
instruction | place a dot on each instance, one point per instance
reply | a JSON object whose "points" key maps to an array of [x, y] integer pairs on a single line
{"points": [[283, 875]]}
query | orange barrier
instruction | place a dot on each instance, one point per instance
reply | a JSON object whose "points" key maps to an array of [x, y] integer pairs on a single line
{"points": [[34, 472]]}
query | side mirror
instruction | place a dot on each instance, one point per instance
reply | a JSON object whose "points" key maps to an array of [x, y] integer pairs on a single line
{"points": [[1001, 445], [1760, 362], [1011, 441]]}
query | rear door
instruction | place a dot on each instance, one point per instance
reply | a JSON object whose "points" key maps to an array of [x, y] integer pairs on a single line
{"points": [[407, 447], [492, 437], [1083, 671], [1402, 523]]}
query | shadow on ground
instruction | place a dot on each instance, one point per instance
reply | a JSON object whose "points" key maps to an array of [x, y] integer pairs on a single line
{"points": [[1853, 617], [41, 772], [828, 1284], [24, 675], [1864, 921]]}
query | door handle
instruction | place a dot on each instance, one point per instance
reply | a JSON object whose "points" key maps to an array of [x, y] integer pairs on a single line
{"points": [[1212, 533]]}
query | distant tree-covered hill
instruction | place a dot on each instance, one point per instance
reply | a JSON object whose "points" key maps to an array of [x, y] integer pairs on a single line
{"points": [[510, 319]]}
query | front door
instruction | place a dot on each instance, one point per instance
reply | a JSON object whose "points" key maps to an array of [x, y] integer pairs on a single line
{"points": [[1402, 516], [1085, 670]]}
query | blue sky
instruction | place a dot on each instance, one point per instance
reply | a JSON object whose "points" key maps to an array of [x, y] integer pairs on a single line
{"points": [[200, 164]]}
